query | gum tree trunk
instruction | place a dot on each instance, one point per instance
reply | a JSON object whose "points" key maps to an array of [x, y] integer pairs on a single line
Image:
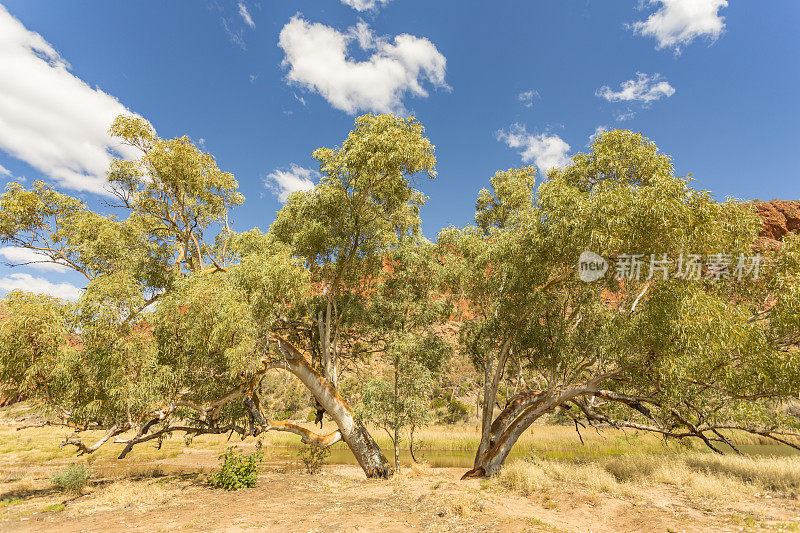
{"points": [[511, 423], [358, 439], [491, 383], [396, 450]]}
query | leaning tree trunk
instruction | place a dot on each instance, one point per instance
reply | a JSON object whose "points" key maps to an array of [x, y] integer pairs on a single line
{"points": [[364, 448], [522, 411]]}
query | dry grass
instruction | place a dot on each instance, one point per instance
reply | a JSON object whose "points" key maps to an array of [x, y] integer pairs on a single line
{"points": [[465, 506], [21, 481], [40, 445], [531, 477], [419, 470], [775, 474], [124, 493], [624, 465], [700, 476]]}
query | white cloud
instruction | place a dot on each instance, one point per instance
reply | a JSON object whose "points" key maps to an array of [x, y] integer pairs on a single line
{"points": [[598, 131], [365, 5], [26, 282], [546, 151], [317, 58], [678, 22], [246, 15], [23, 256], [236, 37], [296, 178], [5, 172], [526, 98], [49, 118], [622, 116], [645, 89]]}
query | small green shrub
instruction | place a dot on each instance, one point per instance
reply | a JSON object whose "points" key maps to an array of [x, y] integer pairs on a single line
{"points": [[73, 478], [11, 500], [313, 458], [55, 508], [237, 470]]}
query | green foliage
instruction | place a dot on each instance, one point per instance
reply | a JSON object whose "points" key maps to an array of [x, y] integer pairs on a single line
{"points": [[400, 401], [174, 188], [73, 478], [33, 331], [364, 200], [313, 457], [237, 470], [694, 349], [346, 228], [10, 500], [175, 326], [97, 360], [54, 508], [456, 412]]}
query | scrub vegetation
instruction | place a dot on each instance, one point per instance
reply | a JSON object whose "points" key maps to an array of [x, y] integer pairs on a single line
{"points": [[339, 329]]}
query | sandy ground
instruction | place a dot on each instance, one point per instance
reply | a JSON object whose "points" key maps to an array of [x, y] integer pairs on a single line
{"points": [[341, 499], [166, 489]]}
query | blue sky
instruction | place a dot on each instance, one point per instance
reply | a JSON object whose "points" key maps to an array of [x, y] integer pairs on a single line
{"points": [[497, 84]]}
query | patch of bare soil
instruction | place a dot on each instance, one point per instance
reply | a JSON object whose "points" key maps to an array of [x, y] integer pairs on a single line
{"points": [[341, 499]]}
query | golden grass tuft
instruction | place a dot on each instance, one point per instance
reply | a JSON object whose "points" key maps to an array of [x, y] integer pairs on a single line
{"points": [[524, 476], [535, 476], [420, 470], [465, 506]]}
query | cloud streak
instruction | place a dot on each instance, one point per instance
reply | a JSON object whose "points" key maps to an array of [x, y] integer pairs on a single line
{"points": [[526, 98], [245, 14], [644, 89]]}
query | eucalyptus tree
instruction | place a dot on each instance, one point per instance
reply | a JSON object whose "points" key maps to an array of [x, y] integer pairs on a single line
{"points": [[646, 345], [107, 373], [363, 206], [175, 330]]}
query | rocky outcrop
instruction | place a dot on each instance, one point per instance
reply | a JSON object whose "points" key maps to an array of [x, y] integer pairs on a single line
{"points": [[779, 217]]}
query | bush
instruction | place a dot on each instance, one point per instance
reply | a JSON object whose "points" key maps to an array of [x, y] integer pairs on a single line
{"points": [[283, 415], [55, 508], [73, 478], [457, 412], [237, 470], [313, 458]]}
